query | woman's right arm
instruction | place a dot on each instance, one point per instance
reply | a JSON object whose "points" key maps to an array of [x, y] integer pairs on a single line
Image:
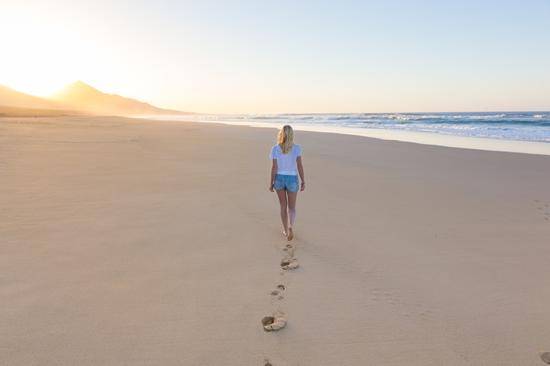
{"points": [[273, 174]]}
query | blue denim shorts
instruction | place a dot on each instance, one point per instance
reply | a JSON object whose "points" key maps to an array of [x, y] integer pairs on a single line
{"points": [[288, 182]]}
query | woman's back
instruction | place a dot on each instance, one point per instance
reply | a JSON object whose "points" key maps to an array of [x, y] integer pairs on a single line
{"points": [[286, 163]]}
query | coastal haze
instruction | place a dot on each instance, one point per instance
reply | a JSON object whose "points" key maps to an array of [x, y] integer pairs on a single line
{"points": [[74, 99], [137, 226]]}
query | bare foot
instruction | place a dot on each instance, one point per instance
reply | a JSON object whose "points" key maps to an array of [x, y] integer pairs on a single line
{"points": [[290, 234]]}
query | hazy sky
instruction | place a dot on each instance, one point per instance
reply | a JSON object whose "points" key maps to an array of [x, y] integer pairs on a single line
{"points": [[286, 56]]}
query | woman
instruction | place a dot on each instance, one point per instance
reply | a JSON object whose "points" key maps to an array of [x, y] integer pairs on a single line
{"points": [[286, 159]]}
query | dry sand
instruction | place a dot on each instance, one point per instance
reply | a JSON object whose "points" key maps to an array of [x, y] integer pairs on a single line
{"points": [[127, 242], [33, 112]]}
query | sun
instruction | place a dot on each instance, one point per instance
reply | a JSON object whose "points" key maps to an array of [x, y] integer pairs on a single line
{"points": [[32, 60], [40, 53]]}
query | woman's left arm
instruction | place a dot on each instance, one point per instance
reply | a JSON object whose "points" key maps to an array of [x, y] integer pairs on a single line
{"points": [[273, 173], [301, 172]]}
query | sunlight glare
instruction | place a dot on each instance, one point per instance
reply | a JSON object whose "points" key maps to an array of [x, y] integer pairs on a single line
{"points": [[40, 55]]}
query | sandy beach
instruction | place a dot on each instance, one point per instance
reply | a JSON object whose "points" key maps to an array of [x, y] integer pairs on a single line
{"points": [[134, 242]]}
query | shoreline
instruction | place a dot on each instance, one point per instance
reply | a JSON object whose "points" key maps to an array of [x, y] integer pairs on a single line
{"points": [[423, 138]]}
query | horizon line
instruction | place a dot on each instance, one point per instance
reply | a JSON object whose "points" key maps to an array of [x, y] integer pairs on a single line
{"points": [[420, 112]]}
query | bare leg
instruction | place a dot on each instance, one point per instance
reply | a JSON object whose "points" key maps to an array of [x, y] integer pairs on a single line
{"points": [[291, 199], [284, 206]]}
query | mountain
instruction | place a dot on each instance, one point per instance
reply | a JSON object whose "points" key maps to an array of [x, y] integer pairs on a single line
{"points": [[82, 97], [15, 99]]}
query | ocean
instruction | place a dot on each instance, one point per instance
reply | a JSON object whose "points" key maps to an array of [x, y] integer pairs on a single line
{"points": [[518, 126], [523, 132]]}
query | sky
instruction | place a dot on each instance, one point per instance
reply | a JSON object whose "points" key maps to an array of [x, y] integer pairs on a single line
{"points": [[285, 56]]}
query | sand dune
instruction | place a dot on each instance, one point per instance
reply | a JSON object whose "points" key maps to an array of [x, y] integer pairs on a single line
{"points": [[81, 96], [152, 243]]}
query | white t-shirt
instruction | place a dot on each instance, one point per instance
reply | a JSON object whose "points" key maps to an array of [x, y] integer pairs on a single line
{"points": [[286, 163]]}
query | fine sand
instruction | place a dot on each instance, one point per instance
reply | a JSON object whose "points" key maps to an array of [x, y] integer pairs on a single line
{"points": [[34, 112], [132, 242]]}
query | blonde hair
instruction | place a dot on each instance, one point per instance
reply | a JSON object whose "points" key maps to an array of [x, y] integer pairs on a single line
{"points": [[285, 138]]}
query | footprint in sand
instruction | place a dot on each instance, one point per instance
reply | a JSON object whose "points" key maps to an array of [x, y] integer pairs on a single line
{"points": [[289, 263], [545, 357], [543, 208], [278, 292], [275, 322], [289, 249]]}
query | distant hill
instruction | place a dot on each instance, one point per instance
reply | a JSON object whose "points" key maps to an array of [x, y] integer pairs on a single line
{"points": [[14, 99], [82, 97], [76, 98]]}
